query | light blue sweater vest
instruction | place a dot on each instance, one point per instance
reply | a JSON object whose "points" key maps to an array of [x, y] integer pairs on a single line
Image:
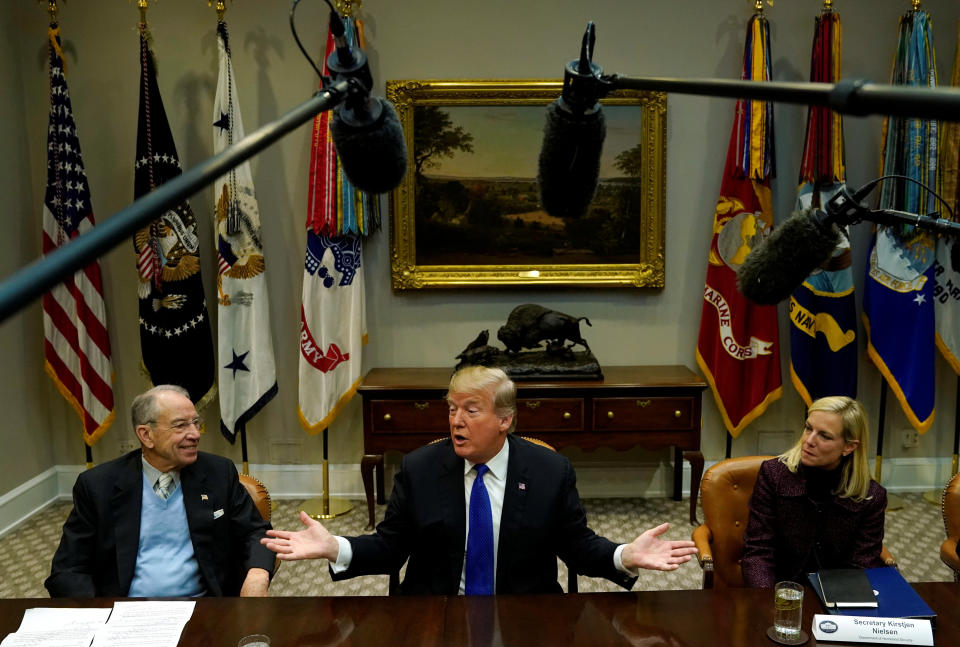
{"points": [[166, 565]]}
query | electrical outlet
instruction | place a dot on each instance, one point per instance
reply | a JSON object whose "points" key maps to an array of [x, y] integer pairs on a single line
{"points": [[127, 445], [911, 439]]}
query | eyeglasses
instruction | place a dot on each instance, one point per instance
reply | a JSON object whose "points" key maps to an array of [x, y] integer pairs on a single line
{"points": [[183, 425]]}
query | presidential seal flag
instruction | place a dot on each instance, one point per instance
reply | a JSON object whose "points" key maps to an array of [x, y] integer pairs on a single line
{"points": [[76, 343], [738, 347], [175, 339], [333, 327], [898, 290], [822, 311], [247, 374]]}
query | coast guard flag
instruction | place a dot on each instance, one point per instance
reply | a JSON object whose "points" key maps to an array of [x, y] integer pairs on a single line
{"points": [[76, 343], [247, 374], [822, 311], [333, 327], [738, 347], [946, 293], [175, 337], [898, 291]]}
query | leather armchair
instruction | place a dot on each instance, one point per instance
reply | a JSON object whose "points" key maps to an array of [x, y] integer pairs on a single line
{"points": [[725, 495], [261, 498], [950, 507]]}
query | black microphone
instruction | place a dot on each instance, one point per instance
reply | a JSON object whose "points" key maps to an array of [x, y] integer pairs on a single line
{"points": [[779, 264], [366, 130], [569, 167]]}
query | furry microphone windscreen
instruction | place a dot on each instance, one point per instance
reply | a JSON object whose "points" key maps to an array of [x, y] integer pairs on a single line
{"points": [[373, 156], [569, 166], [781, 263]]}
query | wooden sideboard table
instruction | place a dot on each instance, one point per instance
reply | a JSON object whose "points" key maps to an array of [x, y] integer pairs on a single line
{"points": [[648, 406]]}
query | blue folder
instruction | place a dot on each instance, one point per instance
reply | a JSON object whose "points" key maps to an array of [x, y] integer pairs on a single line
{"points": [[895, 597]]}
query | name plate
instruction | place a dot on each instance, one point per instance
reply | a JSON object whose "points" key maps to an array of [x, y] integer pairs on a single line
{"points": [[864, 629]]}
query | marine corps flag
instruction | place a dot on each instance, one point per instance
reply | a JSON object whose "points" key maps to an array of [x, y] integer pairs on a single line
{"points": [[822, 311], [175, 337], [738, 348], [333, 327], [247, 374], [898, 290], [76, 343]]}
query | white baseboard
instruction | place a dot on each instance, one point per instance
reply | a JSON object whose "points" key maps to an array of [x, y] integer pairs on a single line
{"points": [[594, 480]]}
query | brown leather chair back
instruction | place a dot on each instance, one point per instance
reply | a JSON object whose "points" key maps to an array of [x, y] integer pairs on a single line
{"points": [[950, 507], [725, 493], [258, 492]]}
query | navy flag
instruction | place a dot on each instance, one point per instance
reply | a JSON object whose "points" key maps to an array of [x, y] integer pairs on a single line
{"points": [[175, 338], [822, 311]]}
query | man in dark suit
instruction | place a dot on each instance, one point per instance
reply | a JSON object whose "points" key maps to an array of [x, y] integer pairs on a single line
{"points": [[164, 520], [531, 511]]}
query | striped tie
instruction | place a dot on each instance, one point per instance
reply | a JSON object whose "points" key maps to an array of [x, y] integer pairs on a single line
{"points": [[479, 567], [163, 485]]}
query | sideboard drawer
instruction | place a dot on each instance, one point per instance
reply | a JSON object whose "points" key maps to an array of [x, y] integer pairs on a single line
{"points": [[543, 415], [402, 416], [625, 414]]}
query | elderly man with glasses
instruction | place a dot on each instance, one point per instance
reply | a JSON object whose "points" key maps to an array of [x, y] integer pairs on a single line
{"points": [[164, 520]]}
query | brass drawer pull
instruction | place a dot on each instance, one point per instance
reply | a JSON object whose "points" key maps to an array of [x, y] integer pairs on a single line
{"points": [[421, 405], [533, 404], [677, 413], [567, 415], [387, 417], [643, 403], [610, 414]]}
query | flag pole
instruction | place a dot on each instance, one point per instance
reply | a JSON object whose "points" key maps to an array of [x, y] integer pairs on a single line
{"points": [[89, 455], [894, 502], [326, 507], [243, 450]]}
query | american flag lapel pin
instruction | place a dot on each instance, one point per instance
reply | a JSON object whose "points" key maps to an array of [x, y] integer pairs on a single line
{"points": [[522, 486], [204, 497]]}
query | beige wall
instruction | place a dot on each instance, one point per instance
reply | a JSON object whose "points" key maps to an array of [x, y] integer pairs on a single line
{"points": [[407, 40]]}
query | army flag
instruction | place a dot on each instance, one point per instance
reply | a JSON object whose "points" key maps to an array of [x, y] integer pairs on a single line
{"points": [[946, 293], [76, 343], [898, 290], [175, 338], [333, 325], [738, 347], [247, 374], [822, 311]]}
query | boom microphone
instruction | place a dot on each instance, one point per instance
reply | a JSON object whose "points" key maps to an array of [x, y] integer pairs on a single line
{"points": [[778, 265], [366, 130], [569, 165]]}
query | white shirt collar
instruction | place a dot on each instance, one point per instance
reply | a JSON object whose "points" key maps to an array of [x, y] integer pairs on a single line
{"points": [[497, 465]]}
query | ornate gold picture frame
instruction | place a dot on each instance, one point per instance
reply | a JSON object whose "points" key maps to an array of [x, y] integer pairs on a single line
{"points": [[467, 213]]}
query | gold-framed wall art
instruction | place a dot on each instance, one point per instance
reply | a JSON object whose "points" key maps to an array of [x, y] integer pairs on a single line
{"points": [[467, 213]]}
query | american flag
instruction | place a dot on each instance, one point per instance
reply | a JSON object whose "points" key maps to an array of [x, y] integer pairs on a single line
{"points": [[76, 343]]}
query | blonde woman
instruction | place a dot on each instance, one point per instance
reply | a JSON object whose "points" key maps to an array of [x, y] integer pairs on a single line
{"points": [[815, 506]]}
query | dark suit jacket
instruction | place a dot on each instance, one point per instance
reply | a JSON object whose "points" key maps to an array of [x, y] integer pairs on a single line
{"points": [[541, 520], [788, 533], [98, 550]]}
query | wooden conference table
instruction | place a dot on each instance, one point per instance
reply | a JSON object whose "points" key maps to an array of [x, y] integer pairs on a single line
{"points": [[731, 617]]}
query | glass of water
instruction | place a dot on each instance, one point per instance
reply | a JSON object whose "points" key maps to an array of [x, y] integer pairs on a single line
{"points": [[787, 609]]}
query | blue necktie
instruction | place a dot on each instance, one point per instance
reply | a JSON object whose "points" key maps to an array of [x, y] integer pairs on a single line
{"points": [[479, 568]]}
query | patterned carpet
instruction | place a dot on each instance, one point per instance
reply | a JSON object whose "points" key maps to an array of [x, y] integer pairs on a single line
{"points": [[913, 535]]}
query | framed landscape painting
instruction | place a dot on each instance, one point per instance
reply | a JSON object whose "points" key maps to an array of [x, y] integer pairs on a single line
{"points": [[468, 213]]}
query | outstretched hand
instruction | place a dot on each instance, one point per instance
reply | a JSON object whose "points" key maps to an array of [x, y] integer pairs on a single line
{"points": [[313, 542], [650, 552]]}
